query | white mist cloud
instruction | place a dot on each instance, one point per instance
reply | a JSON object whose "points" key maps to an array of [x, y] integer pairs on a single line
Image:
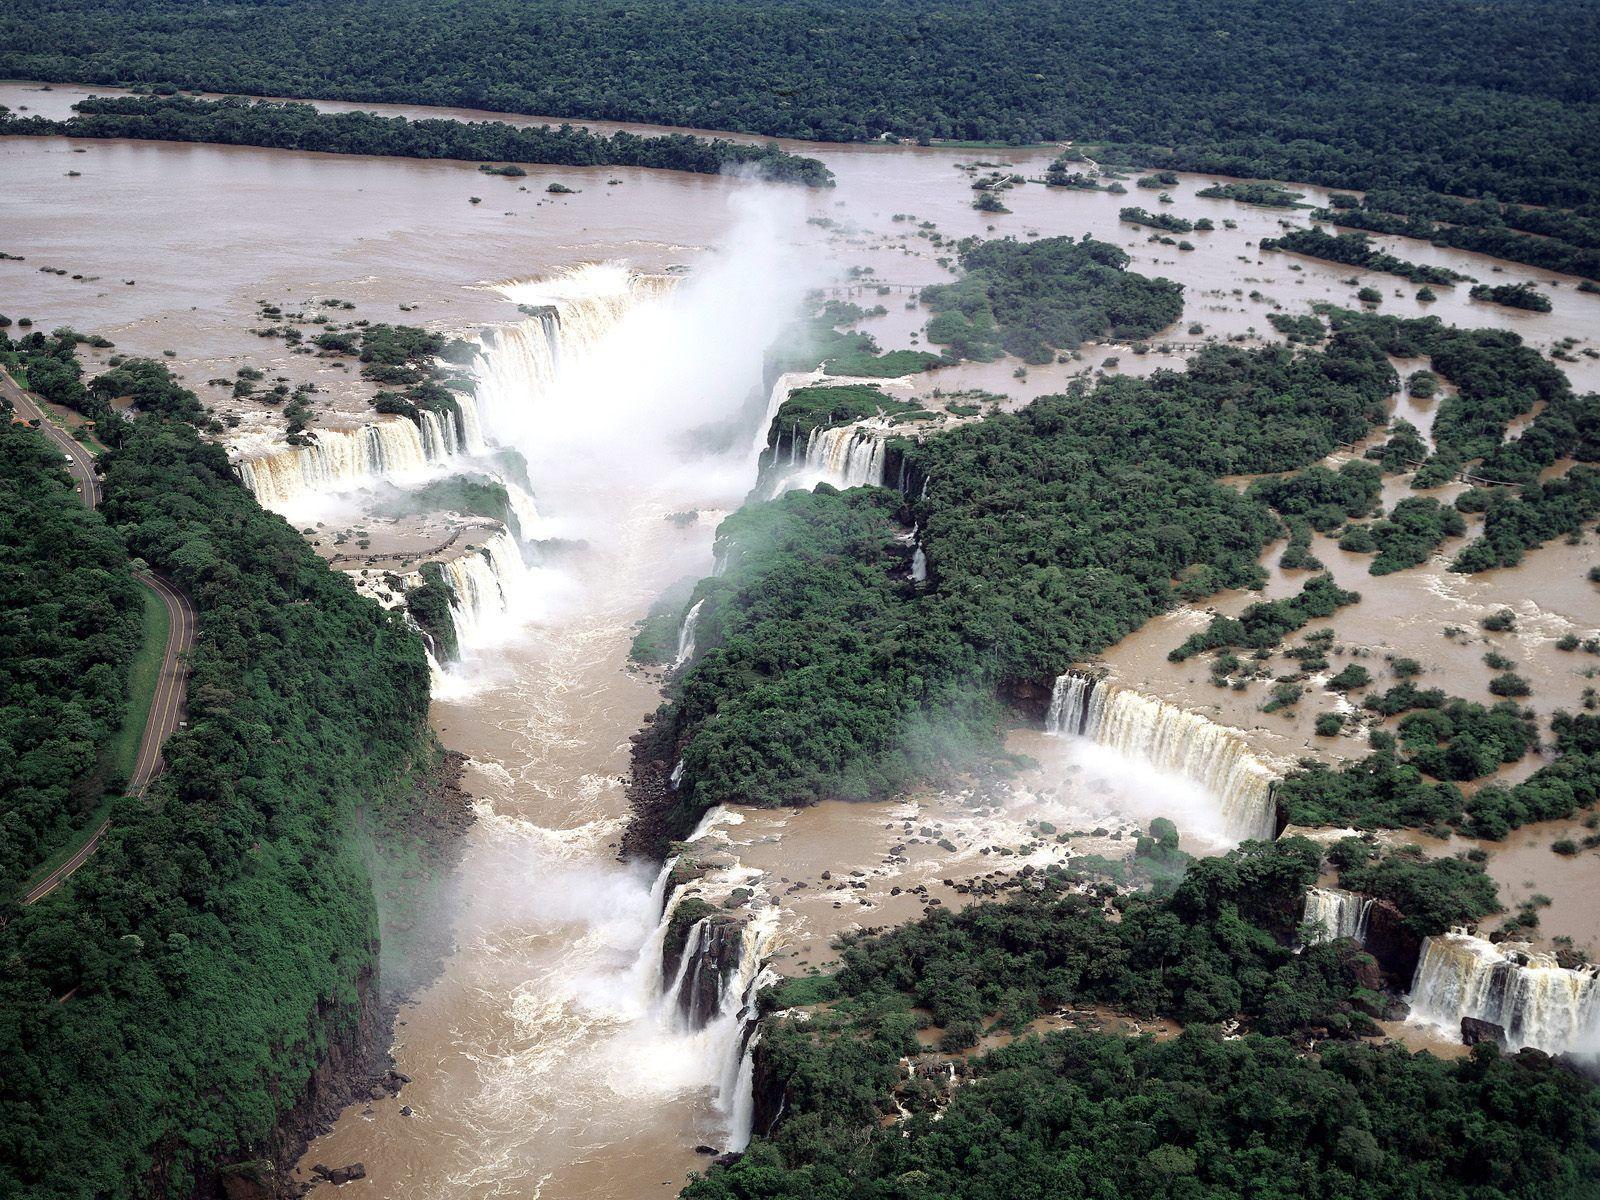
{"points": [[639, 382]]}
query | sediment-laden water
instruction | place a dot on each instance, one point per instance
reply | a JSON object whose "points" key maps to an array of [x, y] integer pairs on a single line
{"points": [[554, 1058]]}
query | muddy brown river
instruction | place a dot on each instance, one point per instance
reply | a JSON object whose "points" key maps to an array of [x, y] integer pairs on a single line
{"points": [[543, 1063]]}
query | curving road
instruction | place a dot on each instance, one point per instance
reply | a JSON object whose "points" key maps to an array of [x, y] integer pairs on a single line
{"points": [[167, 706]]}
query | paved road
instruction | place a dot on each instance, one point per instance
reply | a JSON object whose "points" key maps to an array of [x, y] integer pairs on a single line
{"points": [[81, 464], [168, 704]]}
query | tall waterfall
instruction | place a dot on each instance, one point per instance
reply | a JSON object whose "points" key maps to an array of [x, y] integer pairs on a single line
{"points": [[781, 387], [446, 432], [484, 586], [1170, 739], [1335, 913], [1524, 991], [686, 635]]}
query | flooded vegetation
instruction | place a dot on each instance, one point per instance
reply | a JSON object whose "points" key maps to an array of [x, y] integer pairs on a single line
{"points": [[794, 565]]}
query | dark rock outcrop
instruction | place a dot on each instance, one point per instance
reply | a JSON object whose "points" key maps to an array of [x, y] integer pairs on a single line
{"points": [[713, 949], [654, 820], [1395, 947], [768, 1092], [1028, 696], [1474, 1031]]}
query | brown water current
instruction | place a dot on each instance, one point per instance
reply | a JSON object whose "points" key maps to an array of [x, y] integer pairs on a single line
{"points": [[542, 1063]]}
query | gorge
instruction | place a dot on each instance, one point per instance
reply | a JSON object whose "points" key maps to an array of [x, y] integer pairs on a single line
{"points": [[920, 654]]}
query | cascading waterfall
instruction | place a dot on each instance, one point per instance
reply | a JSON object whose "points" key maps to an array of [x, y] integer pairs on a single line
{"points": [[739, 1015], [336, 460], [848, 455], [845, 456], [919, 566], [686, 635], [1526, 992], [484, 584], [569, 316], [1170, 739], [1332, 913], [781, 387]]}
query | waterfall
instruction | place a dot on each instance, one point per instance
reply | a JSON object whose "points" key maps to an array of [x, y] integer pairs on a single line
{"points": [[523, 507], [336, 460], [484, 586], [919, 566], [1068, 711], [742, 1111], [847, 455], [646, 970], [1524, 991], [1332, 913], [781, 387], [569, 315], [739, 1014], [686, 635], [1170, 739]]}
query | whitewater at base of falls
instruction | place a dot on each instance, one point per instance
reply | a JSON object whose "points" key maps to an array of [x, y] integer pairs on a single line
{"points": [[571, 315], [1526, 992], [1335, 913], [1172, 740]]}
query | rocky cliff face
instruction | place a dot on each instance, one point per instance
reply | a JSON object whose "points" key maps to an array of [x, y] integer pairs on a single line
{"points": [[768, 1093], [354, 1065], [709, 958], [354, 1061], [1388, 941], [1028, 697], [653, 804]]}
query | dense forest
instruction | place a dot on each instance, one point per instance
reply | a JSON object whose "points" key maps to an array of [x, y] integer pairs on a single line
{"points": [[1048, 534], [1409, 784], [1440, 96], [1033, 299], [1085, 1114], [1551, 238], [160, 1013], [238, 122], [70, 620]]}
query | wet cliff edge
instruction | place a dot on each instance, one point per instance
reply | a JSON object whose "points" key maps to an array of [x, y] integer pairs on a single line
{"points": [[351, 1041]]}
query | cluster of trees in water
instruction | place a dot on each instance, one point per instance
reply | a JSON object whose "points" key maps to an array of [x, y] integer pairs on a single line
{"points": [[1274, 91], [1353, 249], [1450, 740], [162, 1009], [1048, 534], [1497, 379], [1554, 239], [1074, 1113], [73, 617], [1268, 622], [1434, 894], [234, 121], [1033, 299]]}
